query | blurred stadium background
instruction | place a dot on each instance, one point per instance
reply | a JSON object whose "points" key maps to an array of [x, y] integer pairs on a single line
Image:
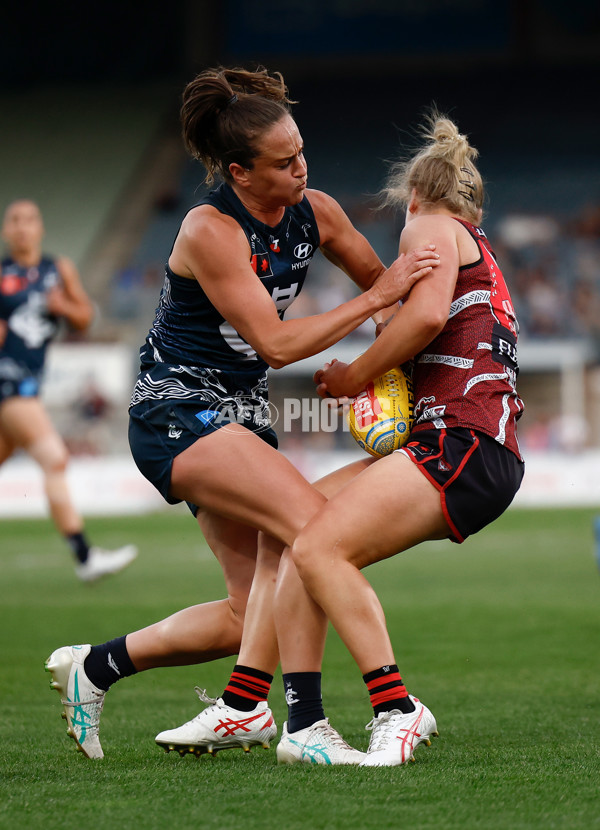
{"points": [[89, 104]]}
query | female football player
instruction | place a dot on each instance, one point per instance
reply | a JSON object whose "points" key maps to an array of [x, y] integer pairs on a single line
{"points": [[36, 293], [459, 471], [199, 426]]}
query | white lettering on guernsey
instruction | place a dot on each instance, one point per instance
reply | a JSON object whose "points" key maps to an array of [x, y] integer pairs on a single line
{"points": [[302, 264], [484, 377], [284, 297], [447, 360], [236, 342], [472, 298], [505, 347]]}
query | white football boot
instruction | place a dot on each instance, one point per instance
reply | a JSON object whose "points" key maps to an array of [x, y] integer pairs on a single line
{"points": [[317, 744], [102, 562], [221, 727], [82, 701], [396, 735]]}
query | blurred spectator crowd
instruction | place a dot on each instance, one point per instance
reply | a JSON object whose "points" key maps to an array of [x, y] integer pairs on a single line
{"points": [[553, 270]]}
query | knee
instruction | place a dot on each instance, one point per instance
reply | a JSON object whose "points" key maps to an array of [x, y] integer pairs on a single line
{"points": [[51, 454], [238, 602], [305, 556], [56, 465]]}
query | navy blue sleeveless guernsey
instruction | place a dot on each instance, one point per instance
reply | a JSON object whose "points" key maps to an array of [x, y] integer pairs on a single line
{"points": [[29, 327], [190, 346]]}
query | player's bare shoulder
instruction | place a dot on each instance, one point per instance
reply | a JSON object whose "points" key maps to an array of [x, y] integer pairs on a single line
{"points": [[428, 229], [430, 223], [322, 203], [205, 221], [205, 234], [328, 213]]}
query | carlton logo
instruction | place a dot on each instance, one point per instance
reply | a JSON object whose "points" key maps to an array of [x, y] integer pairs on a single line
{"points": [[303, 250]]}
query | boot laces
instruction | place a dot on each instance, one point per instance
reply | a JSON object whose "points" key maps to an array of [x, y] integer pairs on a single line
{"points": [[383, 728], [204, 697], [333, 736]]}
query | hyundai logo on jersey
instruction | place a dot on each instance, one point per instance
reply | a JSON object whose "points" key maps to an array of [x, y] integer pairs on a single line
{"points": [[303, 250]]}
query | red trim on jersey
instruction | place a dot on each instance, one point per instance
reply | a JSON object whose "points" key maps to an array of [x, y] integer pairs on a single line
{"points": [[440, 488]]}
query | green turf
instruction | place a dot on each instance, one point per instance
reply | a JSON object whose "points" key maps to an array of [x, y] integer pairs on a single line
{"points": [[499, 636]]}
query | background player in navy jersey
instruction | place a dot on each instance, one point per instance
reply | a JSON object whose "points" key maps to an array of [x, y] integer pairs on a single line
{"points": [[459, 471], [36, 293], [199, 427]]}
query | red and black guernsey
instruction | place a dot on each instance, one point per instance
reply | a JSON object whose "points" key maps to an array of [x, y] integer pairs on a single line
{"points": [[466, 377]]}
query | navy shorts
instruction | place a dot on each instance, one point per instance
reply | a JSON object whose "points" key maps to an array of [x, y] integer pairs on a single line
{"points": [[477, 478], [160, 430], [16, 381]]}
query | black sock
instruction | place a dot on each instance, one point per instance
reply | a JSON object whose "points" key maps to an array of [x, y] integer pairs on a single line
{"points": [[108, 663], [246, 688], [303, 698], [79, 546]]}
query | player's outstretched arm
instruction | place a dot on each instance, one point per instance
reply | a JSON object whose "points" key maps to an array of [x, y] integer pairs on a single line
{"points": [[213, 249], [69, 299]]}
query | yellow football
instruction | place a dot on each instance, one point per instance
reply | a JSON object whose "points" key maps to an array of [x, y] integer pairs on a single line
{"points": [[380, 418]]}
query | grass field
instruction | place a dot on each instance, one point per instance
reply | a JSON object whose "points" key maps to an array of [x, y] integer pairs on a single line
{"points": [[499, 636]]}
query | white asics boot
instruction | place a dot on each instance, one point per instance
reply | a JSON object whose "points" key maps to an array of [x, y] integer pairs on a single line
{"points": [[220, 727], [396, 735], [82, 701], [317, 744], [102, 562]]}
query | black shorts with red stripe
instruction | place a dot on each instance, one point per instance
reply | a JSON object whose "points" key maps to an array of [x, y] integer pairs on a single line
{"points": [[477, 478]]}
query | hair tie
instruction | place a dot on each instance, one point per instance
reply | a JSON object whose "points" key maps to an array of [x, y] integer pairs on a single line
{"points": [[468, 194], [232, 100]]}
